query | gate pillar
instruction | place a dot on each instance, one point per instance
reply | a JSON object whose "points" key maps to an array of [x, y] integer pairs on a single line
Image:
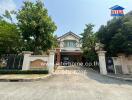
{"points": [[51, 61], [102, 62], [58, 55], [26, 60]]}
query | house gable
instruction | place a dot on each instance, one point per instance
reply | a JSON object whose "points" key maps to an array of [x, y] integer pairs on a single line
{"points": [[69, 36], [68, 40]]}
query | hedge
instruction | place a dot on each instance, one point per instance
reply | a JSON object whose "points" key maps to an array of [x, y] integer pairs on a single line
{"points": [[24, 72]]}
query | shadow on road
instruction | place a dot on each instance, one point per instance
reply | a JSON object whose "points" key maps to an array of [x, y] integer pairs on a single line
{"points": [[105, 79]]}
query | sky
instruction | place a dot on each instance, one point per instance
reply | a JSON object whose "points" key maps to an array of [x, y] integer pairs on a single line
{"points": [[73, 15]]}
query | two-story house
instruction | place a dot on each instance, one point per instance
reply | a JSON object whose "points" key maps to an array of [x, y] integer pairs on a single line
{"points": [[69, 48]]}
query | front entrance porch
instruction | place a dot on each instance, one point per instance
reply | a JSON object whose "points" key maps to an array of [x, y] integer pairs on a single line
{"points": [[65, 58], [71, 57]]}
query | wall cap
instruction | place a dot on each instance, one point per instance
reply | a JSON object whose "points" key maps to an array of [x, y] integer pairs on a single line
{"points": [[121, 54], [39, 56], [101, 52], [27, 52]]}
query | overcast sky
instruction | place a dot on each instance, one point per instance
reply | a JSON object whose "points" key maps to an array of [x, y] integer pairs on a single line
{"points": [[72, 15]]}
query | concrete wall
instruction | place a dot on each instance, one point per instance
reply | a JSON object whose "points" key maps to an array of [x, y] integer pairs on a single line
{"points": [[125, 62], [28, 58]]}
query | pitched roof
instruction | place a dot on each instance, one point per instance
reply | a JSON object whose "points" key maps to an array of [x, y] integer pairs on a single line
{"points": [[116, 7], [69, 33]]}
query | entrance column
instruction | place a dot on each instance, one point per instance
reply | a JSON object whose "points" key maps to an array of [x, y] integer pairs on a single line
{"points": [[58, 56], [51, 61], [26, 60], [102, 62]]}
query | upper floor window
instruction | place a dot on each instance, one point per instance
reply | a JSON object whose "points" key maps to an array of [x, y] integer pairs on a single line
{"points": [[70, 43]]}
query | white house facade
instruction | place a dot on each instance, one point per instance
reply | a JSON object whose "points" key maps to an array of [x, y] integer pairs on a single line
{"points": [[69, 48]]}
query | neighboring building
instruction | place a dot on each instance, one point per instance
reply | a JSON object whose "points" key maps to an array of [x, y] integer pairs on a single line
{"points": [[69, 48]]}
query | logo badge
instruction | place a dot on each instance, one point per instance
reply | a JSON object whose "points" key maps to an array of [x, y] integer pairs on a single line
{"points": [[117, 11]]}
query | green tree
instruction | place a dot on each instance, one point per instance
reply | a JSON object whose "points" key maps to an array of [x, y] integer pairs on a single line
{"points": [[117, 35], [88, 43], [55, 42], [9, 37], [8, 16], [36, 26]]}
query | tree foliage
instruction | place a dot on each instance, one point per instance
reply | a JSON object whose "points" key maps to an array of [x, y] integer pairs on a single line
{"points": [[8, 16], [36, 26], [88, 43], [9, 37], [55, 42], [117, 35], [34, 30]]}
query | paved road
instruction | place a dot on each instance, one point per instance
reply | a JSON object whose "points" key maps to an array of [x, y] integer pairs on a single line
{"points": [[92, 86]]}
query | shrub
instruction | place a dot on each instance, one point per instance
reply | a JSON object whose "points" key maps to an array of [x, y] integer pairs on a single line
{"points": [[24, 72]]}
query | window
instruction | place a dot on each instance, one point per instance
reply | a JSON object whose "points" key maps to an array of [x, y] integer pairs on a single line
{"points": [[69, 43]]}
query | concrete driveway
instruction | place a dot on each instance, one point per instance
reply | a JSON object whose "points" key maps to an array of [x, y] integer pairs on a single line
{"points": [[90, 86]]}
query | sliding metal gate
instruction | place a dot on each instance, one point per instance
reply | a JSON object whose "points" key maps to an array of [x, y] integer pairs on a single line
{"points": [[11, 61]]}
